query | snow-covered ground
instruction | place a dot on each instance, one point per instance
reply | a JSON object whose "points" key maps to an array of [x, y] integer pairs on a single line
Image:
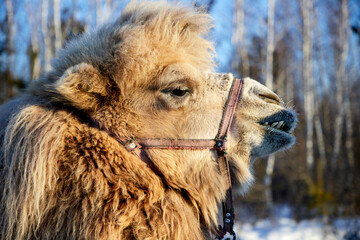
{"points": [[283, 227]]}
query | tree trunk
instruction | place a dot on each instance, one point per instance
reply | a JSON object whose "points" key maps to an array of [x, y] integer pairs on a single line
{"points": [[57, 25], [269, 83], [289, 91], [9, 92], [321, 145], [268, 180], [71, 29], [320, 139], [270, 45], [35, 46], [46, 34], [341, 79], [349, 135], [98, 15], [239, 39], [349, 116], [308, 82]]}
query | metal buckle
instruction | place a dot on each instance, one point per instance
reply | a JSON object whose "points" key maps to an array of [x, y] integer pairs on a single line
{"points": [[220, 146], [130, 145]]}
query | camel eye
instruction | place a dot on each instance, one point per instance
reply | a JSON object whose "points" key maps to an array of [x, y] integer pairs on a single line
{"points": [[178, 92]]}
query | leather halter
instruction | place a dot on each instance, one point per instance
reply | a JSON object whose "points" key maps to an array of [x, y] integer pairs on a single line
{"points": [[138, 147]]}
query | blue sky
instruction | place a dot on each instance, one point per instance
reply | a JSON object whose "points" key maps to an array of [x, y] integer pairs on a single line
{"points": [[222, 12]]}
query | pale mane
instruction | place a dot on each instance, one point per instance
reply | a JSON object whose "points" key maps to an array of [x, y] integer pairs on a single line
{"points": [[29, 170]]}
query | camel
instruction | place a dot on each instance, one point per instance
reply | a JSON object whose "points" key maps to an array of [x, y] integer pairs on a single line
{"points": [[147, 75]]}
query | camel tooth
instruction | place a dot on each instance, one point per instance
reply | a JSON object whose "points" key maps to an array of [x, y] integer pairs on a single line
{"points": [[281, 124], [274, 124], [266, 123]]}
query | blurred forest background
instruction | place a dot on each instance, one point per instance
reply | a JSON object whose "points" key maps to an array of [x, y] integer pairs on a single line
{"points": [[308, 51]]}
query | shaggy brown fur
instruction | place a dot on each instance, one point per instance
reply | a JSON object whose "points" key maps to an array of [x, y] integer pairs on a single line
{"points": [[63, 177]]}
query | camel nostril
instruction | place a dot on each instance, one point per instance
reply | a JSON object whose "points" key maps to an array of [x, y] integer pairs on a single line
{"points": [[271, 98]]}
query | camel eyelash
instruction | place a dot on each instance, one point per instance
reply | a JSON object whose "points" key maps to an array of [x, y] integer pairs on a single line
{"points": [[177, 91]]}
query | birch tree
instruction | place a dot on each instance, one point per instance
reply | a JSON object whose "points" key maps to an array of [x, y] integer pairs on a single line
{"points": [[322, 164], [46, 35], [57, 24], [341, 79], [307, 69], [239, 38], [98, 15], [269, 83], [350, 98], [35, 44]]}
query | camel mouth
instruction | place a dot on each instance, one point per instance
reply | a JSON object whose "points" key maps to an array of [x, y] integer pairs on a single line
{"points": [[284, 121]]}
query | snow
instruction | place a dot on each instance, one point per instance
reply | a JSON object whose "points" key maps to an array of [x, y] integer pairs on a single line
{"points": [[283, 227], [287, 229]]}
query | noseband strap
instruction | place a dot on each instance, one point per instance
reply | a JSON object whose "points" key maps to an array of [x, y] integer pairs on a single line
{"points": [[138, 147]]}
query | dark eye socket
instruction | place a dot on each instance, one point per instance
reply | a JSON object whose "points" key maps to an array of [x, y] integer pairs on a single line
{"points": [[179, 92]]}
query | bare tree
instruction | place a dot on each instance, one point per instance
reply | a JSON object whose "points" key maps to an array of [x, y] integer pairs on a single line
{"points": [[308, 79], [98, 15], [9, 49], [57, 24], [35, 44], [108, 6], [341, 79], [349, 144], [238, 39], [270, 45], [270, 83], [46, 34], [322, 164]]}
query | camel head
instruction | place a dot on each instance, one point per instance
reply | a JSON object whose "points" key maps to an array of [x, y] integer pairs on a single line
{"points": [[150, 75]]}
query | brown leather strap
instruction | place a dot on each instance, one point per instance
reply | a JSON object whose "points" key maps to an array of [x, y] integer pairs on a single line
{"points": [[227, 205], [228, 208], [177, 144], [137, 147], [233, 99]]}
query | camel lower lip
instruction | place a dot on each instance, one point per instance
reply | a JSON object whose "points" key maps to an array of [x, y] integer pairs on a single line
{"points": [[281, 139], [273, 141], [271, 129]]}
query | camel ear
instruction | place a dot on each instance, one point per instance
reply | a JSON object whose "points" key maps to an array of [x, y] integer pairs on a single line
{"points": [[83, 86]]}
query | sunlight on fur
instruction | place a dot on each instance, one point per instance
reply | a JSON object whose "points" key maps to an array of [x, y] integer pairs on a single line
{"points": [[146, 75]]}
